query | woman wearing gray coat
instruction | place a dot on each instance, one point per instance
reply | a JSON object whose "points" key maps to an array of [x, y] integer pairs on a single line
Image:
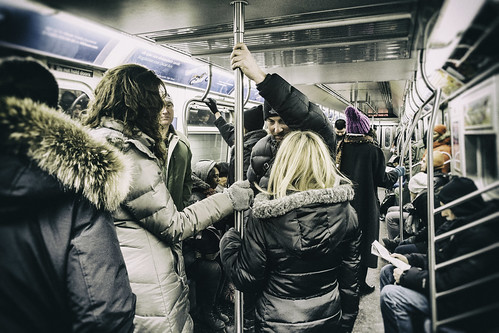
{"points": [[125, 112]]}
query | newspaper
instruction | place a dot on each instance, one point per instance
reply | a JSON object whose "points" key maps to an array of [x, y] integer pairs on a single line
{"points": [[381, 251]]}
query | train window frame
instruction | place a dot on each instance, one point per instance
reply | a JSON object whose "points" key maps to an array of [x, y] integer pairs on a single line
{"points": [[79, 89]]}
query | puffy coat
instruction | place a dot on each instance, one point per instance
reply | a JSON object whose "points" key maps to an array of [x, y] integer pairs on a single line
{"points": [[150, 231], [249, 140], [300, 254], [298, 113], [61, 268]]}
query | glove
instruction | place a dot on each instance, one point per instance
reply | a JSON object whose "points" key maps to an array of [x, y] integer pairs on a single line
{"points": [[241, 195], [212, 104], [400, 170]]}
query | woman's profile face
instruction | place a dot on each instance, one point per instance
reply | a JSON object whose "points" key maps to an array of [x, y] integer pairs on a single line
{"points": [[213, 177]]}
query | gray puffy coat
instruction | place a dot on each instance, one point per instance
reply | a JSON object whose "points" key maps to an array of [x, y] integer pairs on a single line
{"points": [[150, 231]]}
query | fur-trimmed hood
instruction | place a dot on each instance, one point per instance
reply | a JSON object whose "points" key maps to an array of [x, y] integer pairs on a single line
{"points": [[63, 148], [265, 207]]}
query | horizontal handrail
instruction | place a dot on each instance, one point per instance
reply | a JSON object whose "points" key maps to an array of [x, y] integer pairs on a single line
{"points": [[468, 285], [468, 314], [467, 226], [466, 197], [467, 256]]}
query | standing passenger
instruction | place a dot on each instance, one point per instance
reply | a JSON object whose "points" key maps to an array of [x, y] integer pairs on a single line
{"points": [[340, 129], [285, 109], [126, 112], [253, 132], [178, 162], [202, 262], [300, 251], [61, 268], [364, 163]]}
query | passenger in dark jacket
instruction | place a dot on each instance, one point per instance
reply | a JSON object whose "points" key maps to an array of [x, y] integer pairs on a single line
{"points": [[253, 132], [179, 156], [61, 268], [402, 303], [285, 109], [300, 251], [201, 251], [364, 163]]}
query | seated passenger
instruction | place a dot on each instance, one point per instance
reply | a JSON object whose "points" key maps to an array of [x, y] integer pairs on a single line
{"points": [[300, 251], [416, 218], [61, 268], [202, 263], [404, 305], [441, 143], [417, 185]]}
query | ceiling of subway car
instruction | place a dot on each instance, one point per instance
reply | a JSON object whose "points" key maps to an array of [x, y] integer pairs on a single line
{"points": [[363, 50]]}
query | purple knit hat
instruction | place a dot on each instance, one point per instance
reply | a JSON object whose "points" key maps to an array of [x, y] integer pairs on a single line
{"points": [[357, 122]]}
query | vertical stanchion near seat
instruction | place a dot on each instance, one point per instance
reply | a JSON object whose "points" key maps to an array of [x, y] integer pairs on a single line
{"points": [[431, 215], [238, 144]]}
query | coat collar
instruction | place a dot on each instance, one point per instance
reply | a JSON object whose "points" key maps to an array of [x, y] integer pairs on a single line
{"points": [[265, 207], [64, 149]]}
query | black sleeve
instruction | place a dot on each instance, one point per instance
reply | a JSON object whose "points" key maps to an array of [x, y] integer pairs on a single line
{"points": [[226, 130]]}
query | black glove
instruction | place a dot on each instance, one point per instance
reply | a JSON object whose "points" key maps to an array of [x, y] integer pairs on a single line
{"points": [[212, 104]]}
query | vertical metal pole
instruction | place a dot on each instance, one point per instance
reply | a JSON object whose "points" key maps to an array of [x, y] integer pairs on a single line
{"points": [[356, 93], [401, 189], [238, 142], [431, 214]]}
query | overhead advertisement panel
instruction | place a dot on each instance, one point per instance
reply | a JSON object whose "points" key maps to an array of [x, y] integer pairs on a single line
{"points": [[49, 34], [182, 72]]}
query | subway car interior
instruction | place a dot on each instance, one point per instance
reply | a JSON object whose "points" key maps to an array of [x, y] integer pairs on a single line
{"points": [[406, 64]]}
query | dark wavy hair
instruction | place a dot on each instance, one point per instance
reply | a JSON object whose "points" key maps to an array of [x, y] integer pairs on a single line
{"points": [[135, 95]]}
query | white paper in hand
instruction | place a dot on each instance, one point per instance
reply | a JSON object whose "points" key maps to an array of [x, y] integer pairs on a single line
{"points": [[381, 251]]}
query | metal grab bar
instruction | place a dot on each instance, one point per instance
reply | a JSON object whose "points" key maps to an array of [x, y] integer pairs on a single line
{"points": [[468, 314], [431, 216], [466, 197], [467, 256], [468, 285], [466, 227]]}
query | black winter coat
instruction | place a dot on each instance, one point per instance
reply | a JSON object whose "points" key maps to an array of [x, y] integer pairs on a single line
{"points": [[300, 256], [298, 113], [364, 163], [61, 268], [249, 140]]}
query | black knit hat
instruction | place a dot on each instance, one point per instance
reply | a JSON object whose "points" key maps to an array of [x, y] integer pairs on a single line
{"points": [[268, 111], [457, 188], [253, 118]]}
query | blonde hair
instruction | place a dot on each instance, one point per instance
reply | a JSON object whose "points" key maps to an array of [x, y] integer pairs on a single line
{"points": [[303, 162]]}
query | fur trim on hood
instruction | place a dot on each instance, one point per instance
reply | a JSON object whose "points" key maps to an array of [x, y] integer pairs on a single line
{"points": [[264, 207], [63, 148]]}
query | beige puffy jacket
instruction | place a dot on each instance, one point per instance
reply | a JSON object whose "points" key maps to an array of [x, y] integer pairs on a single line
{"points": [[150, 231]]}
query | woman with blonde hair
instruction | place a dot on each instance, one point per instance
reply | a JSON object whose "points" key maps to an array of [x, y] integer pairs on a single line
{"points": [[126, 113], [300, 252]]}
